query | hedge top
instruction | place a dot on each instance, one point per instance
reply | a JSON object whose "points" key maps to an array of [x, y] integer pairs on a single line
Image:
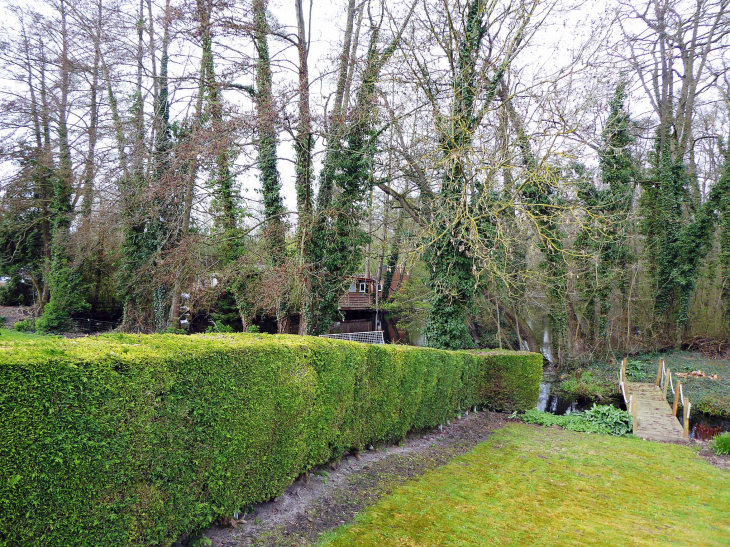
{"points": [[135, 347]]}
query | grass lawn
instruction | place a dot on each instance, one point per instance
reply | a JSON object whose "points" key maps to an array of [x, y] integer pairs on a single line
{"points": [[7, 335], [599, 380], [530, 485]]}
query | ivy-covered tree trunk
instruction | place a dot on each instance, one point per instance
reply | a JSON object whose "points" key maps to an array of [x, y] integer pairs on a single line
{"points": [[63, 279], [338, 239], [451, 267], [225, 204], [303, 145], [537, 193], [451, 280], [682, 244], [138, 242], [266, 144], [165, 211], [604, 243], [266, 138]]}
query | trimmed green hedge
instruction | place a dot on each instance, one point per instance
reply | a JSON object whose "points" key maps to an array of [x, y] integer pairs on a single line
{"points": [[137, 440]]}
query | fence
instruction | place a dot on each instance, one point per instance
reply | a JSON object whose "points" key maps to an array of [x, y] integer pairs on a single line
{"points": [[92, 326], [372, 337]]}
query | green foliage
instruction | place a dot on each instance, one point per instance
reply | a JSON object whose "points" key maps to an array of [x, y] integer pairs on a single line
{"points": [[721, 444], [335, 250], [24, 325], [254, 329], [598, 381], [410, 303], [451, 280], [636, 371], [606, 241], [609, 419], [677, 246], [136, 440], [604, 419], [64, 282], [219, 328]]}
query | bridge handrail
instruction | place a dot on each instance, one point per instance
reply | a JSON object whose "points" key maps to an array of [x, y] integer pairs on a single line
{"points": [[630, 402], [664, 380]]}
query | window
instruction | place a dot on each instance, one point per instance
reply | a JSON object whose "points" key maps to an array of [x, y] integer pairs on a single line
{"points": [[380, 287], [363, 287]]}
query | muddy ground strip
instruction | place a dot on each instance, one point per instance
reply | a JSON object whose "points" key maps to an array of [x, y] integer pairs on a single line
{"points": [[332, 497]]}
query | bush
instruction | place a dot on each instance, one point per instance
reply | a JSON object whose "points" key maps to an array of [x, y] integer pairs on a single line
{"points": [[604, 419], [219, 328], [23, 326], [137, 440], [721, 444]]}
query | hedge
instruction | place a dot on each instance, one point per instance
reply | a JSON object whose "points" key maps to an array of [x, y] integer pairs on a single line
{"points": [[139, 440]]}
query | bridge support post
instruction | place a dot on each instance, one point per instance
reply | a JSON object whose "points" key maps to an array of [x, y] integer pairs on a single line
{"points": [[634, 418], [686, 418], [659, 372], [676, 398], [666, 384]]}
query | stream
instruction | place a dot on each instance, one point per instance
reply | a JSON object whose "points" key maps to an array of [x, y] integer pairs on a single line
{"points": [[555, 403]]}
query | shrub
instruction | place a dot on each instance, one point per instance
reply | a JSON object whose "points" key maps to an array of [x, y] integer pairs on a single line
{"points": [[605, 419], [219, 328], [23, 326], [609, 419], [721, 444], [124, 440], [635, 370]]}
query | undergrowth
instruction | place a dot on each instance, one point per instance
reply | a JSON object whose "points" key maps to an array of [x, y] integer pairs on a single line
{"points": [[721, 444], [605, 419]]}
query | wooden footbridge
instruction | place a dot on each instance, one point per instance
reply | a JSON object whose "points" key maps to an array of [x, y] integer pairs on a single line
{"points": [[654, 419]]}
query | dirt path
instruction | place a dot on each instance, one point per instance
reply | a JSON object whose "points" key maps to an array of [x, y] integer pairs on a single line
{"points": [[333, 497]]}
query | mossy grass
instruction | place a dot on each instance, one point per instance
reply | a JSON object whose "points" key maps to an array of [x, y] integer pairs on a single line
{"points": [[7, 335], [530, 485]]}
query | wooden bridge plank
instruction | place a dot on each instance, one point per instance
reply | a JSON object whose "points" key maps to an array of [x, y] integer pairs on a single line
{"points": [[655, 419]]}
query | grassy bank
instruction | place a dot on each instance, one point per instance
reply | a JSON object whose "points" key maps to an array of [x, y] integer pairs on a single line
{"points": [[529, 485], [708, 395], [7, 335]]}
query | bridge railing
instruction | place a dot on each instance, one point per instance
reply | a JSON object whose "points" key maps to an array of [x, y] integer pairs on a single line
{"points": [[630, 401], [664, 381]]}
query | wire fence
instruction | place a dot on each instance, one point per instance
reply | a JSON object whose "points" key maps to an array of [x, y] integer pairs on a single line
{"points": [[92, 326], [372, 337]]}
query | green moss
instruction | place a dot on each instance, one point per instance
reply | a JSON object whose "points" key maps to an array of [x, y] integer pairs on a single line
{"points": [[550, 487], [135, 440]]}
